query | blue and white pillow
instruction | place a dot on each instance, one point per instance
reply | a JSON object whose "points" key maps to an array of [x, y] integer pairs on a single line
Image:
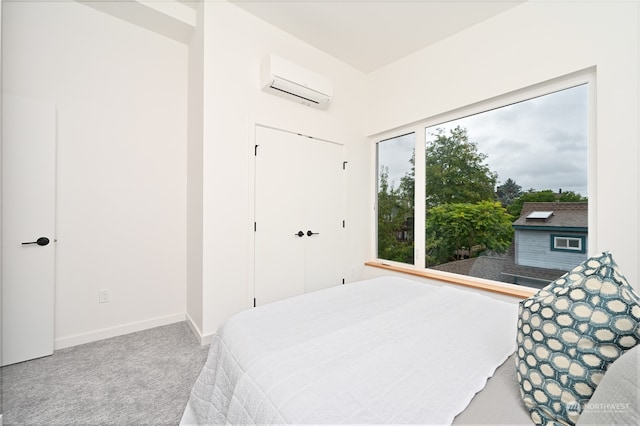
{"points": [[569, 333]]}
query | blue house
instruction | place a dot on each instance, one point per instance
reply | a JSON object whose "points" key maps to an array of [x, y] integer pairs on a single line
{"points": [[550, 239]]}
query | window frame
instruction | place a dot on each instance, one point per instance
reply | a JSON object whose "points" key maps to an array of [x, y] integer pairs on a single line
{"points": [[585, 76], [377, 190], [580, 238]]}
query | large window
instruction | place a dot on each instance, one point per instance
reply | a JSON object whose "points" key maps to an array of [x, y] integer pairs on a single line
{"points": [[482, 174]]}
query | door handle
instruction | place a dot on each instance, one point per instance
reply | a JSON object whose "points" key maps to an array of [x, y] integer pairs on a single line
{"points": [[299, 234], [309, 233], [42, 241]]}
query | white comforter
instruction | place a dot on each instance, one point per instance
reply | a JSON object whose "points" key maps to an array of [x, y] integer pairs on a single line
{"points": [[386, 350]]}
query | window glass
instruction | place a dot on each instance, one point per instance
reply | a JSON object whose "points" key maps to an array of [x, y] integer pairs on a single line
{"points": [[483, 174], [567, 243], [395, 207]]}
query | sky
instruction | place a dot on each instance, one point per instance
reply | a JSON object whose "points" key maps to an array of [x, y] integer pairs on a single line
{"points": [[540, 143]]}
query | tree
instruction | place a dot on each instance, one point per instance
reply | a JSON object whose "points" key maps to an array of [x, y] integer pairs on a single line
{"points": [[455, 170], [458, 230], [394, 210], [508, 192], [571, 197], [408, 182], [546, 196]]}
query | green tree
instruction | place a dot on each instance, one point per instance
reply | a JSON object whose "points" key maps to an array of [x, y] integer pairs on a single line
{"points": [[394, 210], [546, 196], [408, 182], [455, 170], [458, 230], [508, 192], [571, 197]]}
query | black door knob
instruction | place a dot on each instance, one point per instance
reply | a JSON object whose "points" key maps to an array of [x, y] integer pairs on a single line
{"points": [[299, 234], [42, 241]]}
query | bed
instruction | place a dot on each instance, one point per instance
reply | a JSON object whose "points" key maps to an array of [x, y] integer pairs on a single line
{"points": [[385, 350]]}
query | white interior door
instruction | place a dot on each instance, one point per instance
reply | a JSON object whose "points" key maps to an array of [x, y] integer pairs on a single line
{"points": [[28, 213], [279, 251], [299, 211], [324, 215]]}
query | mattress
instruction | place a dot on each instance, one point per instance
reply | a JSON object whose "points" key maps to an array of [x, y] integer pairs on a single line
{"points": [[386, 350]]}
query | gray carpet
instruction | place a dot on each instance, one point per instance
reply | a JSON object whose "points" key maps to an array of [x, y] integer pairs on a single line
{"points": [[140, 378]]}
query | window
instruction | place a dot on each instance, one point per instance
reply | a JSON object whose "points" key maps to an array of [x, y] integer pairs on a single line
{"points": [[564, 243], [539, 216], [474, 173], [396, 198]]}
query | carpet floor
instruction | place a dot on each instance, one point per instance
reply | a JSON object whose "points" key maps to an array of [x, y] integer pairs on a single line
{"points": [[142, 378]]}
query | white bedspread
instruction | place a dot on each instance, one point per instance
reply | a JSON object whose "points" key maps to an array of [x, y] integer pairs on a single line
{"points": [[386, 350]]}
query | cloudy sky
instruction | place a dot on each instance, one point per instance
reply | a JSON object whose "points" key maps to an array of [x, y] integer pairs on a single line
{"points": [[540, 143]]}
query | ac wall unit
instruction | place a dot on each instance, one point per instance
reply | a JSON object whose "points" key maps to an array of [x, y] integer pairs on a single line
{"points": [[291, 81]]}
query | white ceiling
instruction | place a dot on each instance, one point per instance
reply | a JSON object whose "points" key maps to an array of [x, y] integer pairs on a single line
{"points": [[368, 34]]}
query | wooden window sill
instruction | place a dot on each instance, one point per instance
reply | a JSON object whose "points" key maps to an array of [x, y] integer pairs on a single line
{"points": [[486, 285]]}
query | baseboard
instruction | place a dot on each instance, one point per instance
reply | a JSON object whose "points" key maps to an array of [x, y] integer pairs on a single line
{"points": [[203, 339], [105, 333]]}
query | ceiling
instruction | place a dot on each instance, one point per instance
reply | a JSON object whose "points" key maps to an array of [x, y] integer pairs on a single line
{"points": [[368, 34]]}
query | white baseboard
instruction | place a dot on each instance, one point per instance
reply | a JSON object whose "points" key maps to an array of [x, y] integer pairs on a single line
{"points": [[203, 339], [105, 333]]}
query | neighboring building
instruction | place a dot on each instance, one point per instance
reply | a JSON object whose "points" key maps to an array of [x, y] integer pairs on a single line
{"points": [[550, 239]]}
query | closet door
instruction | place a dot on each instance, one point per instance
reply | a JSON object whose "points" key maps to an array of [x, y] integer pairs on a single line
{"points": [[324, 215], [299, 213]]}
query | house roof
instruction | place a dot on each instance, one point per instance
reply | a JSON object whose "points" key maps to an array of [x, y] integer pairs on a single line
{"points": [[487, 267], [500, 268], [565, 215]]}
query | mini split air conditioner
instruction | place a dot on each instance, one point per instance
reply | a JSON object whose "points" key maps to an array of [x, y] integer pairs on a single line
{"points": [[291, 81]]}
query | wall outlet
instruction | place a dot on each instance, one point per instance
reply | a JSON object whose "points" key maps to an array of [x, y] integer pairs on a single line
{"points": [[103, 295]]}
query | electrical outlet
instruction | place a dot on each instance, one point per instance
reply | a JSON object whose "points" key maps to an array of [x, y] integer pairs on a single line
{"points": [[103, 295]]}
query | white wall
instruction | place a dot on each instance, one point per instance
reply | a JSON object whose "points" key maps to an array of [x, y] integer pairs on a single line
{"points": [[234, 44], [195, 171], [121, 96], [523, 46], [1, 218]]}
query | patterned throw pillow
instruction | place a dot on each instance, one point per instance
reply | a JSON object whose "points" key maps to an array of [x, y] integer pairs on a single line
{"points": [[569, 333]]}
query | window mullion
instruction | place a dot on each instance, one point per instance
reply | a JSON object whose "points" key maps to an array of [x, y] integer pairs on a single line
{"points": [[419, 202]]}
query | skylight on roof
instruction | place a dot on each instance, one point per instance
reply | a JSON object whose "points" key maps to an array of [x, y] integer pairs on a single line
{"points": [[539, 215]]}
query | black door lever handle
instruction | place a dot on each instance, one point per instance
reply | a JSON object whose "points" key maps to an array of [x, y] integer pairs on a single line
{"points": [[309, 233], [42, 241]]}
